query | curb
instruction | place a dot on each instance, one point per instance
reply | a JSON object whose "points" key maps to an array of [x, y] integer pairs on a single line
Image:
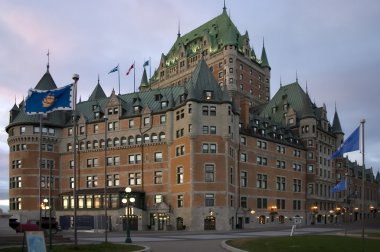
{"points": [[229, 248]]}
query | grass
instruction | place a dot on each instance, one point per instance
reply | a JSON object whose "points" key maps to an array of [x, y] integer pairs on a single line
{"points": [[310, 243], [103, 247]]}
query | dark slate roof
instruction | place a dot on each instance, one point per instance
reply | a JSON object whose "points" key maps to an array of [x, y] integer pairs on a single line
{"points": [[336, 128], [264, 58], [98, 93], [293, 95], [46, 82], [203, 80]]}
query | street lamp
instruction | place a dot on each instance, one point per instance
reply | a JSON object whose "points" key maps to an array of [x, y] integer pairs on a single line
{"points": [[45, 206], [128, 199]]}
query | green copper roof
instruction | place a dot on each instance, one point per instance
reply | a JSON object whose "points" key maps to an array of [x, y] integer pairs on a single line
{"points": [[291, 96], [264, 59], [144, 81]]}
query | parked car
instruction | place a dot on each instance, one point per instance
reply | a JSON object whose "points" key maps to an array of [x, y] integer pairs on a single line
{"points": [[33, 225]]}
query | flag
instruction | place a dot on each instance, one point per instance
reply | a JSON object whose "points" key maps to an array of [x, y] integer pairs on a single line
{"points": [[116, 68], [146, 63], [341, 186], [130, 68], [46, 101], [351, 144]]}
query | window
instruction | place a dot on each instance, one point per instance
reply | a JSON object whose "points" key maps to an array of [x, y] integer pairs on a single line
{"points": [[296, 153], [180, 114], [134, 159], [262, 203], [162, 119], [261, 144], [296, 185], [280, 164], [280, 203], [205, 129], [296, 205], [92, 162], [262, 181], [179, 200], [71, 164], [310, 168], [209, 199], [134, 178], [208, 95], [158, 157], [209, 173], [71, 182], [280, 183], [212, 111], [131, 123], [280, 149], [243, 202], [243, 179], [16, 164], [113, 161], [146, 121], [180, 175], [243, 157], [243, 140], [180, 151], [158, 177], [157, 198], [82, 130], [91, 181], [180, 133], [205, 110], [22, 130], [96, 128], [261, 160], [296, 167], [15, 182], [208, 148], [212, 130]]}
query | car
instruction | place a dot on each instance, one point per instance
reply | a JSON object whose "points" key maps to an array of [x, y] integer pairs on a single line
{"points": [[33, 225]]}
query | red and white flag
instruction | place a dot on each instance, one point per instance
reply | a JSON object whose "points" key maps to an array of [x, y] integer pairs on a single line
{"points": [[130, 68]]}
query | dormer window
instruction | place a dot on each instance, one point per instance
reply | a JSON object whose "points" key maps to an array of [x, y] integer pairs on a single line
{"points": [[285, 106], [96, 115], [164, 104], [157, 97], [94, 107], [274, 109], [208, 95], [136, 109]]}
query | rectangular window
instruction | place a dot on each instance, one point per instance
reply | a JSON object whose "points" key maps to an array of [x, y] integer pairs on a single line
{"points": [[179, 200], [205, 129], [296, 205], [262, 181], [243, 202], [280, 183], [158, 177], [180, 151], [261, 144], [209, 173], [158, 157], [131, 123], [243, 157], [212, 111], [243, 179], [158, 198], [162, 119], [209, 199], [180, 175], [213, 130], [280, 203], [296, 185], [262, 203]]}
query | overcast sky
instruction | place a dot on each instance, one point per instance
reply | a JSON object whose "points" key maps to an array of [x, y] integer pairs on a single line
{"points": [[333, 45]]}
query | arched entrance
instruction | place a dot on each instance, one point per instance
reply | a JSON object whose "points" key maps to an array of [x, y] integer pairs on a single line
{"points": [[209, 223]]}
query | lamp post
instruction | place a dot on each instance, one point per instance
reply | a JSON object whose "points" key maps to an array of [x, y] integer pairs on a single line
{"points": [[314, 211], [128, 199], [45, 206]]}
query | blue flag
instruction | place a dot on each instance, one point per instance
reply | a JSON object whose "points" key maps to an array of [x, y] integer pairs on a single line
{"points": [[146, 63], [351, 144], [116, 68], [46, 101], [341, 186]]}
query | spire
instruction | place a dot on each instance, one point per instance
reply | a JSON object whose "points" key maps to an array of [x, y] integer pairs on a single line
{"points": [[336, 127], [144, 81], [264, 58], [179, 29], [48, 62], [280, 81], [296, 76], [98, 93], [307, 92], [224, 6]]}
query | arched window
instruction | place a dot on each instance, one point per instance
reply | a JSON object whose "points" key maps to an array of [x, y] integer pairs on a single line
{"points": [[146, 138], [69, 147], [109, 142], [95, 144], [88, 145], [138, 139], [131, 140], [154, 138], [81, 146], [102, 143], [123, 141], [162, 136], [116, 142]]}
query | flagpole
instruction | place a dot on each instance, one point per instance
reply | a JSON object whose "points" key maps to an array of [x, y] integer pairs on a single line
{"points": [[118, 72], [150, 72], [134, 77], [363, 174], [75, 78]]}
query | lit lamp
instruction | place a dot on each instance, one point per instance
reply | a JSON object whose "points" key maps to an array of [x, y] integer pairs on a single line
{"points": [[44, 205], [314, 209], [128, 199]]}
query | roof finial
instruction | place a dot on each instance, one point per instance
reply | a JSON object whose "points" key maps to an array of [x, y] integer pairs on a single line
{"points": [[224, 5], [48, 63], [307, 92], [296, 76], [98, 79], [335, 106], [179, 29], [280, 81]]}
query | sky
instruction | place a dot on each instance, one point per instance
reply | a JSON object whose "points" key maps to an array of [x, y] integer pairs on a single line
{"points": [[332, 46]]}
